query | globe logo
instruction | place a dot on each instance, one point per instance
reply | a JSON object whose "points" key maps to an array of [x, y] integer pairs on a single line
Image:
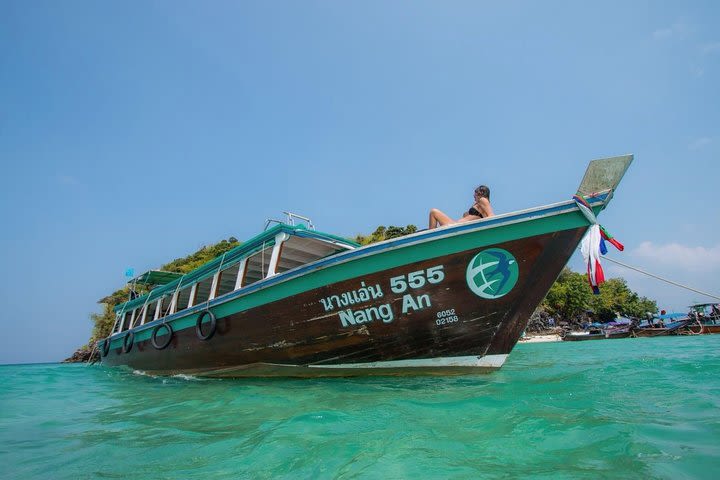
{"points": [[492, 273]]}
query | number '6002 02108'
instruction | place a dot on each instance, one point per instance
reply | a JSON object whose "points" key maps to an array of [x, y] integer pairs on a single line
{"points": [[446, 316]]}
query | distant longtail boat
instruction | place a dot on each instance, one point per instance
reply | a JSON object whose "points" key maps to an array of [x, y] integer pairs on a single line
{"points": [[704, 318], [297, 302]]}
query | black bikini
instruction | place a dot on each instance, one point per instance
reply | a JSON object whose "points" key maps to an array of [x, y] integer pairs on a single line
{"points": [[473, 211]]}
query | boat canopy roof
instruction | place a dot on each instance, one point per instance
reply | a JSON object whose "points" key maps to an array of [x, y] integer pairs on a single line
{"points": [[260, 242], [670, 316], [700, 306], [156, 277]]}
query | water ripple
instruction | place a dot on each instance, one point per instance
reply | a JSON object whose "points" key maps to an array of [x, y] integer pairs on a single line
{"points": [[623, 409]]}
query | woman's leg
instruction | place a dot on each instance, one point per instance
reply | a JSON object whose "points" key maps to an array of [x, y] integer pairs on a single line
{"points": [[438, 219]]}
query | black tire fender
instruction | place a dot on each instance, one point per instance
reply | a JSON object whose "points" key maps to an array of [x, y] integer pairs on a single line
{"points": [[198, 325], [105, 347], [156, 330], [128, 341]]}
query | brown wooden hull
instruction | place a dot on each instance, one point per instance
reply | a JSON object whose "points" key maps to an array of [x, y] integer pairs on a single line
{"points": [[704, 329], [659, 331], [435, 328], [654, 332]]}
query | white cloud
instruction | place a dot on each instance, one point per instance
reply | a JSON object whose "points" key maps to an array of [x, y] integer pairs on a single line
{"points": [[678, 257], [709, 48], [676, 29], [699, 143]]}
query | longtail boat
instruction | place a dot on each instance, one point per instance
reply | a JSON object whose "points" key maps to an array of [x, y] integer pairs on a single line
{"points": [[293, 301], [669, 328], [704, 318], [581, 336], [598, 334]]}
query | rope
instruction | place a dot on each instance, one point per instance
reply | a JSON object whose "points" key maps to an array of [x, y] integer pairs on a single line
{"points": [[171, 297], [139, 318], [90, 358], [120, 321], [663, 279], [689, 330], [217, 286]]}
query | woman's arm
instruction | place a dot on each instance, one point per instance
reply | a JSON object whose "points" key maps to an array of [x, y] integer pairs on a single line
{"points": [[483, 206]]}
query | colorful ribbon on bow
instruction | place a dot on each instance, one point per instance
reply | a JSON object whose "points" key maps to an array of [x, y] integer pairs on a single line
{"points": [[593, 245]]}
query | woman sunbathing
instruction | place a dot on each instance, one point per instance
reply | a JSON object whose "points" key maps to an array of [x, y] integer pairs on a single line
{"points": [[480, 209]]}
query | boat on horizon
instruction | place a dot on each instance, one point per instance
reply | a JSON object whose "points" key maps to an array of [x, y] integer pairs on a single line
{"points": [[294, 301], [661, 325], [704, 318], [607, 331]]}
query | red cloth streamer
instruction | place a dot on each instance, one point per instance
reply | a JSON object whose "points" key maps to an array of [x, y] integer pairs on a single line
{"points": [[606, 236], [599, 277], [599, 274]]}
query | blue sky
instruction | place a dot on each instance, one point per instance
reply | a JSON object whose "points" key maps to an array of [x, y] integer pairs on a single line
{"points": [[132, 133]]}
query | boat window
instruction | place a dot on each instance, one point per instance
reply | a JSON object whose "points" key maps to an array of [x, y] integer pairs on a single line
{"points": [[152, 306], [257, 266], [138, 316], [226, 283], [165, 306], [183, 298], [298, 251], [203, 291], [126, 321]]}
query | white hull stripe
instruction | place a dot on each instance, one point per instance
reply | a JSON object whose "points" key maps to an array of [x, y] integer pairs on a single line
{"points": [[487, 361]]}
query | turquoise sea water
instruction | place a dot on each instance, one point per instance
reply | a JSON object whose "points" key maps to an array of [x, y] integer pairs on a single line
{"points": [[631, 408]]}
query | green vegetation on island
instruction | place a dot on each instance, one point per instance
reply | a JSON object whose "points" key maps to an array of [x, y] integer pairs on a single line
{"points": [[569, 300], [385, 233], [103, 321]]}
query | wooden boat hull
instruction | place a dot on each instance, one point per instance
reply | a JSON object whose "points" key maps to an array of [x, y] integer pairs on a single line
{"points": [[439, 327], [660, 331], [570, 337], [615, 335], [654, 332], [698, 328]]}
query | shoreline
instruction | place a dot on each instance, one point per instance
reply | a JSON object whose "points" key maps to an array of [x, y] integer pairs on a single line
{"points": [[542, 338]]}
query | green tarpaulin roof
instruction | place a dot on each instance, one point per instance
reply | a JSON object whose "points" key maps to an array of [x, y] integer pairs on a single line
{"points": [[255, 244], [156, 277]]}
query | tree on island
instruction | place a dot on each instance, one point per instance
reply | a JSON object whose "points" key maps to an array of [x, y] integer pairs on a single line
{"points": [[571, 301], [385, 233], [103, 321]]}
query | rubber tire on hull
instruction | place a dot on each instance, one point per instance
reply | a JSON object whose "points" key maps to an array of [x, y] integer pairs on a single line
{"points": [[153, 339], [198, 325], [127, 345], [105, 348]]}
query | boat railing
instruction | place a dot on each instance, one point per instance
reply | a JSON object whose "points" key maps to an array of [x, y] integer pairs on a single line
{"points": [[290, 218]]}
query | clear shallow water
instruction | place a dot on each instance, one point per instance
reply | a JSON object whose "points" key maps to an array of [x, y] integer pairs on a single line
{"points": [[631, 408]]}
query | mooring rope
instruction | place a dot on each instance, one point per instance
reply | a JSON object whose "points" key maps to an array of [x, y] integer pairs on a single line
{"points": [[217, 285], [662, 279]]}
